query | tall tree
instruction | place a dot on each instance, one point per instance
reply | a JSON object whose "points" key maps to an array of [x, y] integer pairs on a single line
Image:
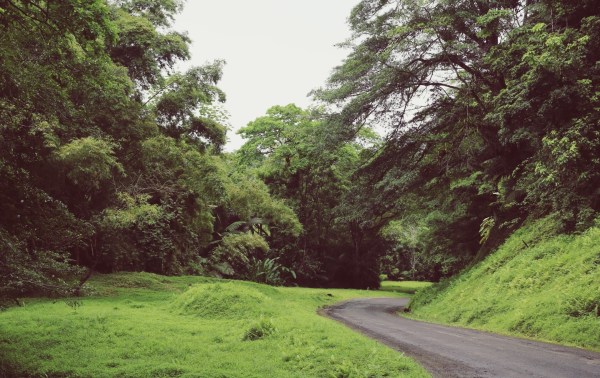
{"points": [[292, 152], [481, 110]]}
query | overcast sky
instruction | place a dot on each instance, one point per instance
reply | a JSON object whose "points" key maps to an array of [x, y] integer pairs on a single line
{"points": [[276, 50]]}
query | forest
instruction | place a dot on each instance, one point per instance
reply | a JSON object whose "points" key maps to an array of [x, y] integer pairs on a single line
{"points": [[449, 125]]}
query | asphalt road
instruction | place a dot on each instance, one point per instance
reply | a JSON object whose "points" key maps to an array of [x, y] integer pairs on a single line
{"points": [[458, 352]]}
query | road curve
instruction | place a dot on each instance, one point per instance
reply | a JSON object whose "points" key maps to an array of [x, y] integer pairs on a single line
{"points": [[458, 352]]}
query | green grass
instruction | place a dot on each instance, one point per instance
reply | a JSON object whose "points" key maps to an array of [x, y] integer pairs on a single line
{"points": [[538, 285], [144, 325], [409, 287]]}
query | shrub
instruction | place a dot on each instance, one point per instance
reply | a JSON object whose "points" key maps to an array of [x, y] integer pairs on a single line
{"points": [[232, 257], [267, 271], [259, 330], [25, 272]]}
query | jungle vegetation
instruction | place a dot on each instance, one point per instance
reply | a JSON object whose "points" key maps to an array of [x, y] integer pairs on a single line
{"points": [[111, 159]]}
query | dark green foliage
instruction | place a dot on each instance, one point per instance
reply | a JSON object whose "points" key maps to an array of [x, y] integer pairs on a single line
{"points": [[291, 151], [180, 98], [233, 256], [111, 160], [142, 49], [108, 157], [492, 112], [25, 272], [267, 271]]}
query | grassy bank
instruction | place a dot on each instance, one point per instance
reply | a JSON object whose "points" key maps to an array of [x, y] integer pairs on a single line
{"points": [[538, 284], [143, 325], [408, 287]]}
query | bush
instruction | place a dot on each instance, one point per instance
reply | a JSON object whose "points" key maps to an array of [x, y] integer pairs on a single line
{"points": [[233, 255], [25, 272], [262, 329], [267, 271]]}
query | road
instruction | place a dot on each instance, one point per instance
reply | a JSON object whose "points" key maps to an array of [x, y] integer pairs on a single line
{"points": [[458, 352]]}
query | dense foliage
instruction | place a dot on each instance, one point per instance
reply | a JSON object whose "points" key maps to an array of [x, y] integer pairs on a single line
{"points": [[291, 151], [492, 116], [110, 159]]}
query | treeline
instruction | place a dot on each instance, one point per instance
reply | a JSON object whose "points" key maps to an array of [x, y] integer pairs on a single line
{"points": [[110, 159], [491, 116]]}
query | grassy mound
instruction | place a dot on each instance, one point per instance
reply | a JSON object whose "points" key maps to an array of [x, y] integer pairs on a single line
{"points": [[141, 282], [538, 284], [222, 300]]}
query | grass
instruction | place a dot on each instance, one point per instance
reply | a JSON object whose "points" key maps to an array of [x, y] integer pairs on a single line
{"points": [[538, 285], [144, 325], [408, 287]]}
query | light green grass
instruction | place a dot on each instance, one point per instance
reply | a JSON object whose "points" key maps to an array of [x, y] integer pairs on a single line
{"points": [[143, 325], [409, 287], [537, 285]]}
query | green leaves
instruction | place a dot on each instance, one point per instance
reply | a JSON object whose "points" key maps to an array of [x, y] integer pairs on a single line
{"points": [[249, 200], [491, 21], [160, 12], [133, 211], [233, 254], [270, 136], [144, 49], [183, 97], [485, 230], [489, 110], [99, 134], [293, 151], [89, 162]]}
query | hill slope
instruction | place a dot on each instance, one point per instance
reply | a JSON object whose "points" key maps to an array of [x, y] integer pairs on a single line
{"points": [[537, 284]]}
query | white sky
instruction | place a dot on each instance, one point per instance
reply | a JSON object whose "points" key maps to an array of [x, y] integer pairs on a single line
{"points": [[276, 50]]}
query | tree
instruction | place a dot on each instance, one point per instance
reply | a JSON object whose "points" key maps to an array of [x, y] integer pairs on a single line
{"points": [[291, 150], [52, 58], [105, 150], [470, 140]]}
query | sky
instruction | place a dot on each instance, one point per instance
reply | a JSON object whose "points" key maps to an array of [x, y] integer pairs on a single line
{"points": [[276, 51]]}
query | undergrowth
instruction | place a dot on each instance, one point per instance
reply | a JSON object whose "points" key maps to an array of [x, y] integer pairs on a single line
{"points": [[538, 284]]}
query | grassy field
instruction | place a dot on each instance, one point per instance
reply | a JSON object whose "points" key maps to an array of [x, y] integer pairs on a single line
{"points": [[408, 287], [538, 284], [143, 325]]}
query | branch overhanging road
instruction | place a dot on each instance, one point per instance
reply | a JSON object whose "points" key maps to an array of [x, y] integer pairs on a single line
{"points": [[458, 352]]}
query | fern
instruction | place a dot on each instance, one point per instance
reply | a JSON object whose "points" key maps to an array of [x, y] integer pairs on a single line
{"points": [[485, 229]]}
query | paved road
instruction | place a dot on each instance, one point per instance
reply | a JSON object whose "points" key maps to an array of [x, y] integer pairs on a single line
{"points": [[458, 352]]}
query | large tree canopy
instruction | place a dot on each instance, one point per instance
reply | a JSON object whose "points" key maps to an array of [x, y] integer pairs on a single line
{"points": [[109, 158], [291, 150], [491, 112]]}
